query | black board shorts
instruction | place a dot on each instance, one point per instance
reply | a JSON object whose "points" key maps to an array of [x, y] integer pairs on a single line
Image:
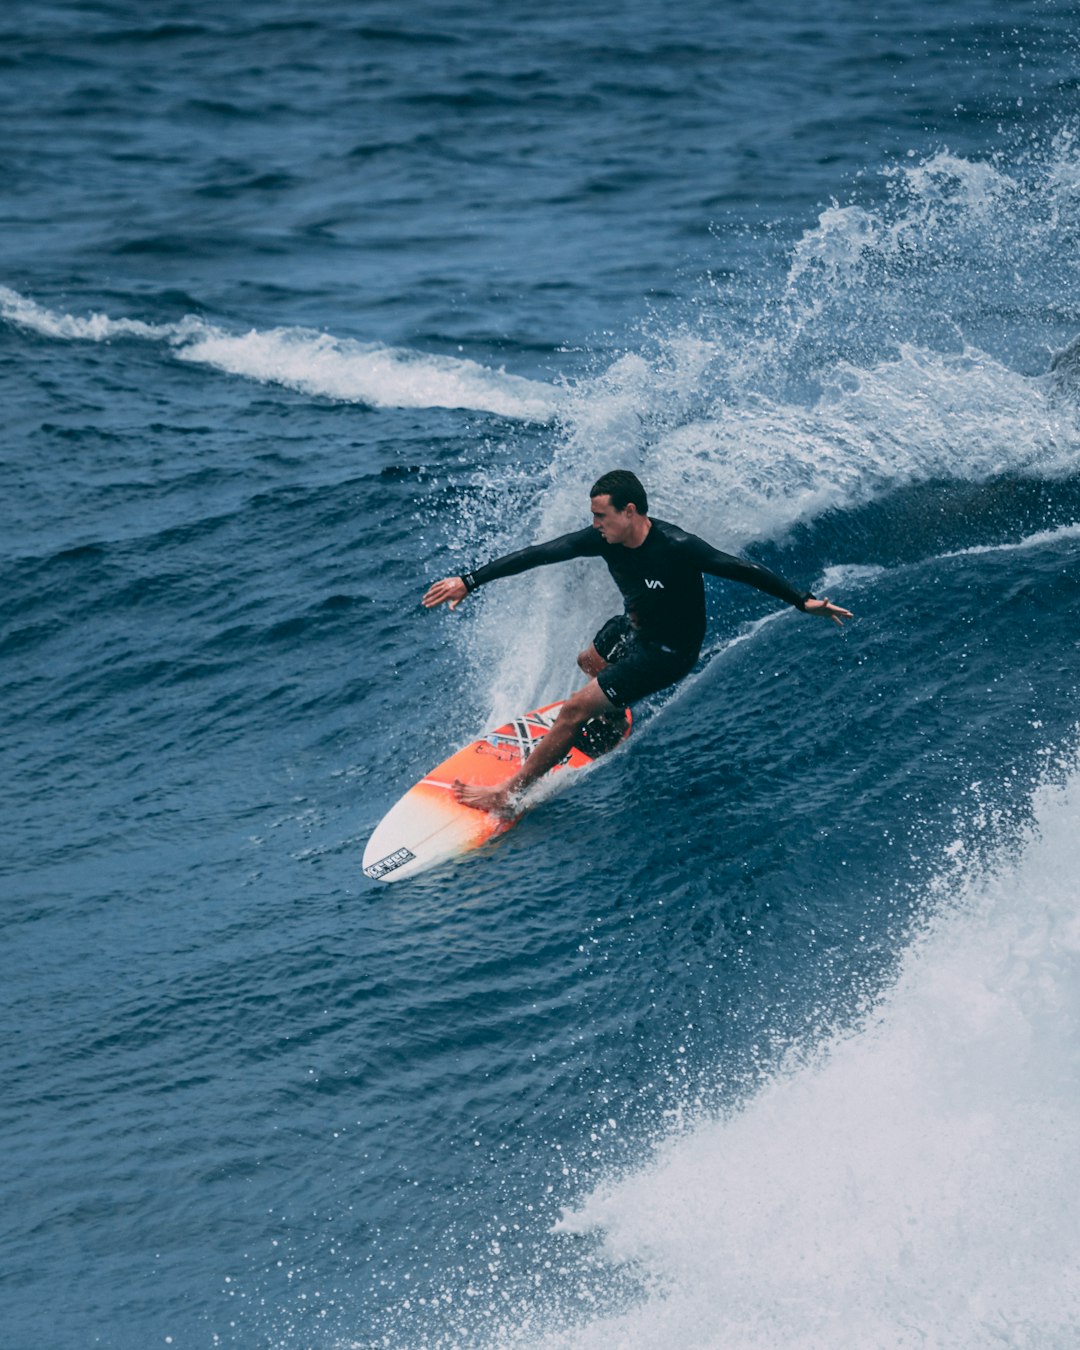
{"points": [[636, 668]]}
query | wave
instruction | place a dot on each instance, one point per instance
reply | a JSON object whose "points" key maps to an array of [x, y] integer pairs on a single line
{"points": [[1040, 539], [905, 343], [914, 1183], [911, 1181], [748, 473], [310, 362]]}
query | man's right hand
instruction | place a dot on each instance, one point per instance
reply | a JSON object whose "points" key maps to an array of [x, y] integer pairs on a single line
{"points": [[450, 588], [827, 610]]}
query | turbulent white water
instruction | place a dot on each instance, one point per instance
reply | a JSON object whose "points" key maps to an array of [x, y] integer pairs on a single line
{"points": [[917, 1183], [739, 473]]}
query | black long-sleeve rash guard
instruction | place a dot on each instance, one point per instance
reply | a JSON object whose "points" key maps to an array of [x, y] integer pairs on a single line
{"points": [[661, 580]]}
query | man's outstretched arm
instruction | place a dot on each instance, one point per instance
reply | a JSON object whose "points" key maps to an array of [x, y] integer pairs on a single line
{"points": [[725, 565], [579, 544]]}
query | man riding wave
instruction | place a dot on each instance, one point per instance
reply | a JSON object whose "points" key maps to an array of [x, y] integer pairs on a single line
{"points": [[659, 569]]}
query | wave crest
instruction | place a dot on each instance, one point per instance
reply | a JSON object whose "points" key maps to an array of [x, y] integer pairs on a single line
{"points": [[310, 362]]}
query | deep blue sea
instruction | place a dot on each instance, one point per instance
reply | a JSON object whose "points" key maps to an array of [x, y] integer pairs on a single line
{"points": [[765, 1032]]}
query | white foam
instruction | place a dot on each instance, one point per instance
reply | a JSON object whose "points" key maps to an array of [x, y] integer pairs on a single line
{"points": [[707, 416], [27, 313], [915, 1185], [747, 471], [311, 362], [1040, 539], [381, 377]]}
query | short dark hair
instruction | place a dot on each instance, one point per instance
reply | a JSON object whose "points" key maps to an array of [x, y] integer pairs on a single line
{"points": [[623, 487]]}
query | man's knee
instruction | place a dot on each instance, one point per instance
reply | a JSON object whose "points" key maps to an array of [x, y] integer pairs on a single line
{"points": [[590, 661], [576, 709], [585, 703]]}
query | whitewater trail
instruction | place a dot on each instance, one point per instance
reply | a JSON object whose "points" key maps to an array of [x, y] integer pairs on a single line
{"points": [[310, 362]]}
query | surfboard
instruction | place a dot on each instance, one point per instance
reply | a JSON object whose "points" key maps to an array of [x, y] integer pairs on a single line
{"points": [[429, 826]]}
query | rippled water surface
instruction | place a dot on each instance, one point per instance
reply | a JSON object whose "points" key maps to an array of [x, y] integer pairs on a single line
{"points": [[761, 1034]]}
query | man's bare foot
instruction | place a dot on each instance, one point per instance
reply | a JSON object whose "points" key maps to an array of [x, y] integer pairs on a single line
{"points": [[500, 801]]}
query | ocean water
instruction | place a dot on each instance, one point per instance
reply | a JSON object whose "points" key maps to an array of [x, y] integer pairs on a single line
{"points": [[764, 1033]]}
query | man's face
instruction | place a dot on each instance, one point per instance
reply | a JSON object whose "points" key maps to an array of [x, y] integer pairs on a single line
{"points": [[615, 526]]}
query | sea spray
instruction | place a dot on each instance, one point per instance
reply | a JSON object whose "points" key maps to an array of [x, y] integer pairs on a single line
{"points": [[915, 1182]]}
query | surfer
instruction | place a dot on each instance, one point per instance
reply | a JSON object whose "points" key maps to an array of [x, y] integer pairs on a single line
{"points": [[653, 643]]}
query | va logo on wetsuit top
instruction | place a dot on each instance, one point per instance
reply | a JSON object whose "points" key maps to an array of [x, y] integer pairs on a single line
{"points": [[654, 585]]}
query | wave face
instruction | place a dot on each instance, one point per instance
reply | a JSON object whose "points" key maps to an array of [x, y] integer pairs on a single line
{"points": [[876, 1193], [763, 1033]]}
